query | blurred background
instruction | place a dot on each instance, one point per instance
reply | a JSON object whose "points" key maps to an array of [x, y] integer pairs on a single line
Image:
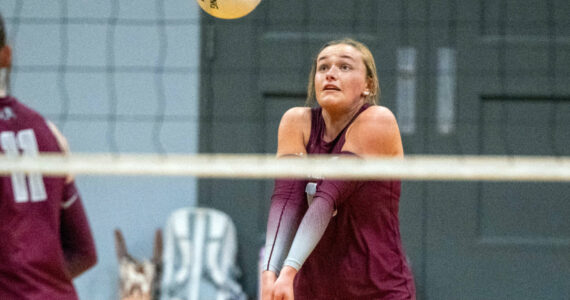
{"points": [[463, 77]]}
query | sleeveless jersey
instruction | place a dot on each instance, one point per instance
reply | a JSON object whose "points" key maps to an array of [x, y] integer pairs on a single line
{"points": [[32, 264], [360, 255]]}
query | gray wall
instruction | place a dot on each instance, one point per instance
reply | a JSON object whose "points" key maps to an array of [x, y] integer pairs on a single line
{"points": [[121, 77], [463, 77]]}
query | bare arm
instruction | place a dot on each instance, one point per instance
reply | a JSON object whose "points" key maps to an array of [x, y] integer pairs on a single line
{"points": [[294, 131]]}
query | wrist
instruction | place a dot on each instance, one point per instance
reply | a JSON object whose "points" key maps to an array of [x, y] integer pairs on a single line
{"points": [[288, 272], [268, 273]]}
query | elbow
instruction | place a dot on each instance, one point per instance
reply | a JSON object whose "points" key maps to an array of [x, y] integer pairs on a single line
{"points": [[82, 262], [91, 259], [88, 256]]}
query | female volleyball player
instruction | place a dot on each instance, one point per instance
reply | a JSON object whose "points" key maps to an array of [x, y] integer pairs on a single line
{"points": [[45, 239], [346, 244]]}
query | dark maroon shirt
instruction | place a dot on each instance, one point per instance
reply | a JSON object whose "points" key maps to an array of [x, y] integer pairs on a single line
{"points": [[44, 234], [360, 255]]}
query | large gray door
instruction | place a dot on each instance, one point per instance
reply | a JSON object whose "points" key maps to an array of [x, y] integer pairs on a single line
{"points": [[501, 240], [463, 77]]}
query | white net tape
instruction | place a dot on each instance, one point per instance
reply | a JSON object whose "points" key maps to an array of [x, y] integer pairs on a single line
{"points": [[491, 168]]}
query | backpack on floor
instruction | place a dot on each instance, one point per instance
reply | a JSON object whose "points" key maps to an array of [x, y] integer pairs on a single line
{"points": [[199, 256]]}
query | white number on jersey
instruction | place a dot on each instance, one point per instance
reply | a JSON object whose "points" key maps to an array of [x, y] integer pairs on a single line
{"points": [[24, 140]]}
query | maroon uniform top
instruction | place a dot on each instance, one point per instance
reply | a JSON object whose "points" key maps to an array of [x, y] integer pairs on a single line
{"points": [[360, 255], [45, 239]]}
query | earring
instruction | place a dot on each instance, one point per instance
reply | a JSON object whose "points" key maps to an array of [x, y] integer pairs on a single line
{"points": [[366, 93]]}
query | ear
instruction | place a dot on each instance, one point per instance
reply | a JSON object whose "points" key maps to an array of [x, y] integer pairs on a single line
{"points": [[120, 246], [5, 57], [366, 91], [369, 85]]}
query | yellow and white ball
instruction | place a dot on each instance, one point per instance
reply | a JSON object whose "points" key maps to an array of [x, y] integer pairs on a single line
{"points": [[228, 9]]}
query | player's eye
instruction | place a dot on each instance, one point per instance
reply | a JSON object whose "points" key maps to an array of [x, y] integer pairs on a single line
{"points": [[322, 67]]}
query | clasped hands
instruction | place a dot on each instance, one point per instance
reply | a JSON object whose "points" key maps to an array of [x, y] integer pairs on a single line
{"points": [[278, 288]]}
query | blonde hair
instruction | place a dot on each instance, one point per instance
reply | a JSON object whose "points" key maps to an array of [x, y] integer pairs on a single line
{"points": [[368, 60]]}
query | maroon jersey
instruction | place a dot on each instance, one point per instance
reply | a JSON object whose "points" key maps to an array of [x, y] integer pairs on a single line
{"points": [[37, 255], [360, 255]]}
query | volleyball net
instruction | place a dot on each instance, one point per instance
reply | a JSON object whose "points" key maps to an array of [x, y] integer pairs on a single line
{"points": [[417, 167]]}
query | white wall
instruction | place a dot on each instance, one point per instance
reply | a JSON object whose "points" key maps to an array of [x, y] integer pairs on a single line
{"points": [[62, 54]]}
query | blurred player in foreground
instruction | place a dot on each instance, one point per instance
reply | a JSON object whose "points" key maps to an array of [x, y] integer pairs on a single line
{"points": [[45, 238]]}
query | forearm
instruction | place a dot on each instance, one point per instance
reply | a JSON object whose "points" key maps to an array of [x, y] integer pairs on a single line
{"points": [[310, 231], [76, 237], [287, 208], [330, 195], [77, 263]]}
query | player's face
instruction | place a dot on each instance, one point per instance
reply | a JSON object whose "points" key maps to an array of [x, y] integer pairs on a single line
{"points": [[340, 77]]}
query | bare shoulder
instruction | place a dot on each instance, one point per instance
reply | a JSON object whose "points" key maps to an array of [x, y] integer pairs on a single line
{"points": [[297, 119], [376, 119], [377, 115], [294, 130], [61, 140], [297, 114], [375, 132]]}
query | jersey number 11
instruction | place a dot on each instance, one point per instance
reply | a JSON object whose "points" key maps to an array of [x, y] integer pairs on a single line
{"points": [[24, 140]]}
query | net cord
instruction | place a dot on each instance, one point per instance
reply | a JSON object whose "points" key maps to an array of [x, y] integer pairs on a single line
{"points": [[243, 166]]}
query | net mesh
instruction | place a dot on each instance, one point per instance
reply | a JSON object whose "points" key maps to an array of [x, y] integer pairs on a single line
{"points": [[112, 69]]}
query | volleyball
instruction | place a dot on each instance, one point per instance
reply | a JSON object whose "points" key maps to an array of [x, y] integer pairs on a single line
{"points": [[228, 9]]}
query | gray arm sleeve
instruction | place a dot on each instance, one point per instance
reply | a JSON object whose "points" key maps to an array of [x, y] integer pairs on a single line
{"points": [[310, 231], [330, 195], [288, 205]]}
